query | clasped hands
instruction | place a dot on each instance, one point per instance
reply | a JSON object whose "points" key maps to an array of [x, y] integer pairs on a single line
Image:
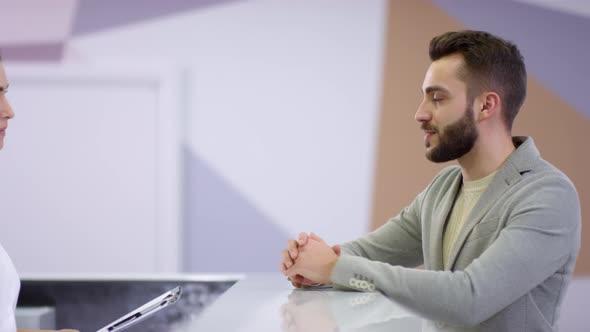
{"points": [[309, 261]]}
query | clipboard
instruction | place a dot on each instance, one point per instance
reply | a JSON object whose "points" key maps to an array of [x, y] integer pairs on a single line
{"points": [[144, 311]]}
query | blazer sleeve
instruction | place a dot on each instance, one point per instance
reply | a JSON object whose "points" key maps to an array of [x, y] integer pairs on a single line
{"points": [[397, 242], [540, 238]]}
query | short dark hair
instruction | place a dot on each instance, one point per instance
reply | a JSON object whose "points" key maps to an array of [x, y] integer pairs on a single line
{"points": [[490, 63]]}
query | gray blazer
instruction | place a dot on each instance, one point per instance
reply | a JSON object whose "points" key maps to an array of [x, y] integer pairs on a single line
{"points": [[511, 263]]}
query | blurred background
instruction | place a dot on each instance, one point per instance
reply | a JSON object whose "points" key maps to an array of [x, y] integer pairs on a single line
{"points": [[198, 136]]}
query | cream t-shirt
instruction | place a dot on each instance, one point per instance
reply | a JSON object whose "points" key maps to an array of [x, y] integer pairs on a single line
{"points": [[464, 202], [9, 288]]}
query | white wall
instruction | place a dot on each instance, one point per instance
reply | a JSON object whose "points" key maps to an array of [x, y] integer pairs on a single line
{"points": [[283, 101], [280, 100]]}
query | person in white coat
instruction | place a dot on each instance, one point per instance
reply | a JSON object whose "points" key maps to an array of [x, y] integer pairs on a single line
{"points": [[9, 280]]}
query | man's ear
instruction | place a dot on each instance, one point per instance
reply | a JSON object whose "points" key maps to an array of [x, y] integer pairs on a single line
{"points": [[489, 104]]}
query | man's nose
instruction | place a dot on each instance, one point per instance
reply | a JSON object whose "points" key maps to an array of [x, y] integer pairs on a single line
{"points": [[422, 114]]}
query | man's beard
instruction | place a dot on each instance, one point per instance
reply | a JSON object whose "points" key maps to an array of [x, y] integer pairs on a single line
{"points": [[458, 139]]}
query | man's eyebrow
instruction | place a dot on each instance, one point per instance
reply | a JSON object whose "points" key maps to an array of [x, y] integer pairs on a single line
{"points": [[435, 88]]}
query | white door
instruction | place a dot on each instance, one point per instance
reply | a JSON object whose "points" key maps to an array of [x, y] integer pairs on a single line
{"points": [[89, 171]]}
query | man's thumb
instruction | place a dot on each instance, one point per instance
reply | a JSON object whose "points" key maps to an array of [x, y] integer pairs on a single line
{"points": [[315, 237], [336, 249]]}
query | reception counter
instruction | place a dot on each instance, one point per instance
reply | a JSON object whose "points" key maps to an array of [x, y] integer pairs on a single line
{"points": [[268, 302], [237, 302], [87, 302]]}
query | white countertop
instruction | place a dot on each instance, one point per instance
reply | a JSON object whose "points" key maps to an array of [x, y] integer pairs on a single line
{"points": [[268, 302]]}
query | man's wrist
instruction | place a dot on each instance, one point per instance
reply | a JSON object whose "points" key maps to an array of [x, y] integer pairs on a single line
{"points": [[331, 268]]}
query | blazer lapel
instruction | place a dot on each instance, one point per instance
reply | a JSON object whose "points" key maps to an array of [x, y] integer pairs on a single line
{"points": [[506, 176], [521, 160], [438, 224]]}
